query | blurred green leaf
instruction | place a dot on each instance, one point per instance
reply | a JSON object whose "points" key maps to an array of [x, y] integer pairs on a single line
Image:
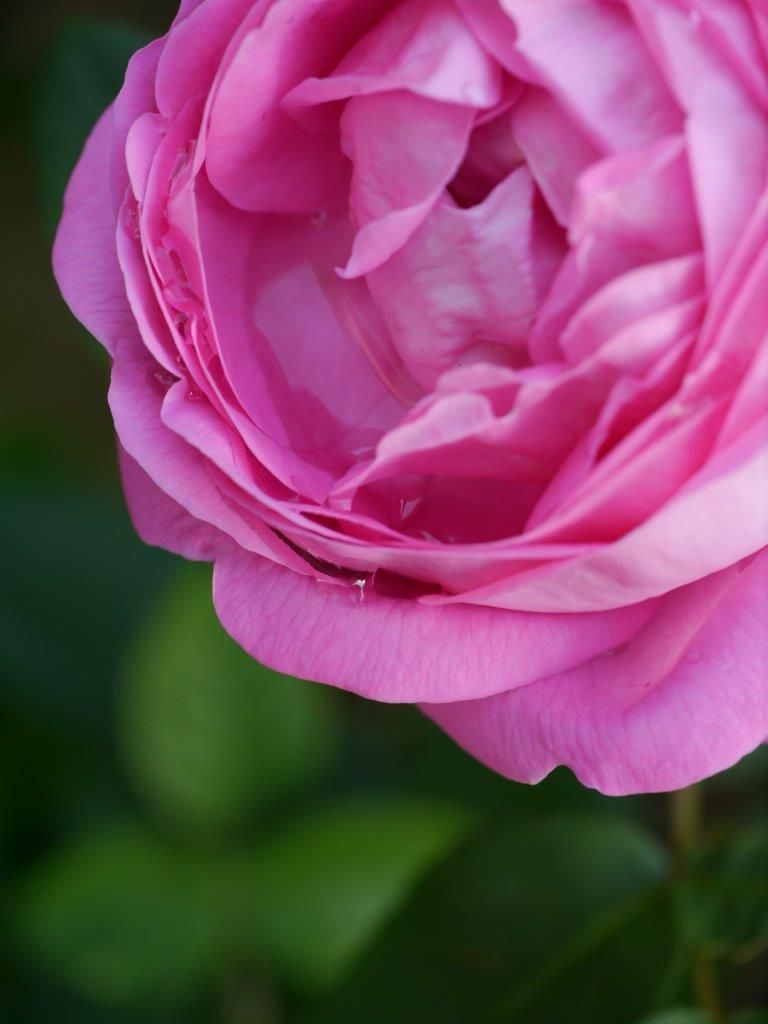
{"points": [[210, 735], [724, 900], [750, 1017], [122, 917], [321, 888], [83, 73], [530, 923]]}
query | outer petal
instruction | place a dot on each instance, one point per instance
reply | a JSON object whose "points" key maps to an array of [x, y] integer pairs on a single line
{"points": [[136, 398], [396, 650], [162, 522], [686, 698], [85, 253]]}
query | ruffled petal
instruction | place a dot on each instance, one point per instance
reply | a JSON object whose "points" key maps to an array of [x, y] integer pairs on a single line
{"points": [[698, 670], [620, 100], [84, 255], [162, 522], [258, 157], [467, 285], [422, 46], [717, 519], [727, 129], [394, 649], [405, 149]]}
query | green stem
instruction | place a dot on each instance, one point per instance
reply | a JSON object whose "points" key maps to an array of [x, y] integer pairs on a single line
{"points": [[686, 820], [705, 983]]}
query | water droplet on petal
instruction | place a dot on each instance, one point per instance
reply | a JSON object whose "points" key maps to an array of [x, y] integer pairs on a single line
{"points": [[473, 94], [193, 395], [131, 219], [679, 410]]}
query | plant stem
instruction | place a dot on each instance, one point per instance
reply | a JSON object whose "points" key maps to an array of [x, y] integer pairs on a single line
{"points": [[686, 820], [705, 983]]}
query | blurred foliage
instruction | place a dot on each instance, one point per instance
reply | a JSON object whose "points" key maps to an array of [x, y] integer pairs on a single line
{"points": [[211, 737], [188, 837]]}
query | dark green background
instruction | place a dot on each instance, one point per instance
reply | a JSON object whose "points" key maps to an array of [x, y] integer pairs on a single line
{"points": [[186, 837]]}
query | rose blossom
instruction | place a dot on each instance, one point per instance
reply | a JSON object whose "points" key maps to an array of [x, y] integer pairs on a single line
{"points": [[440, 327]]}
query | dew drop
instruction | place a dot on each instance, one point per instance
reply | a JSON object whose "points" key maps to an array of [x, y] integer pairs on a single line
{"points": [[679, 410], [193, 395], [473, 94], [132, 221]]}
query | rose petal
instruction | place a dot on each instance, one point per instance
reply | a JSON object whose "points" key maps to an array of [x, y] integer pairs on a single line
{"points": [[697, 670], [257, 156], [162, 522], [394, 649], [405, 149], [84, 255], [726, 129], [619, 101]]}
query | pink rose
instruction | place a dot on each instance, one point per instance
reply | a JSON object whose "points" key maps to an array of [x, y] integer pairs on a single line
{"points": [[441, 328]]}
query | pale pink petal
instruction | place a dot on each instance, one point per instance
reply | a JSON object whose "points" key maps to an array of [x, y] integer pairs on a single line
{"points": [[469, 282], [405, 150], [555, 150], [650, 292], [589, 55], [727, 129], [630, 210]]}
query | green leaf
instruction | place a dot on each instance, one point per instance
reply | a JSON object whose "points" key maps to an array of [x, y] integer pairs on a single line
{"points": [[679, 1017], [83, 73], [210, 736], [530, 923], [724, 901], [321, 889], [750, 1017], [121, 917]]}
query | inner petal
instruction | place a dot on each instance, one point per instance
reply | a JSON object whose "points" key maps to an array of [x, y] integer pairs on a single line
{"points": [[468, 284]]}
